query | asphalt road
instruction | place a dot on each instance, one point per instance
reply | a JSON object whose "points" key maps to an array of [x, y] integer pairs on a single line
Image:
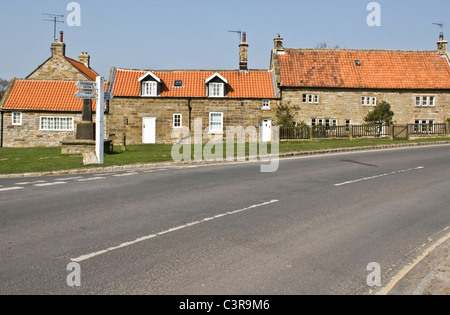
{"points": [[312, 227]]}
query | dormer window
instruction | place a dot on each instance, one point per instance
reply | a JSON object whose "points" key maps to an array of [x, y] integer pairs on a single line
{"points": [[149, 88], [216, 85], [150, 85], [216, 90]]}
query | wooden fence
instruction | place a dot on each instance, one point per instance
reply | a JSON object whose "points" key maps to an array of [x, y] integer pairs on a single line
{"points": [[394, 132]]}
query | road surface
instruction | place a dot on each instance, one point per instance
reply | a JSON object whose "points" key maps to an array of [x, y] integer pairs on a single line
{"points": [[312, 227]]}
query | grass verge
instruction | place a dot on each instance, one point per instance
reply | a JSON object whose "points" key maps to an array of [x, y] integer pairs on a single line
{"points": [[30, 160]]}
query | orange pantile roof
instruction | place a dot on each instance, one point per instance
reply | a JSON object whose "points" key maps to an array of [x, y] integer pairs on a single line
{"points": [[88, 72], [44, 96], [254, 84], [378, 69]]}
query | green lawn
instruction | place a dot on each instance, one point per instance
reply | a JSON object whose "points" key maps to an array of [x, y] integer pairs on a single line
{"points": [[28, 160]]}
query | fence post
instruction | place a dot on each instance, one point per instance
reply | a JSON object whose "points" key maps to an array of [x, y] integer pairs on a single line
{"points": [[447, 128], [311, 133], [350, 132], [391, 132]]}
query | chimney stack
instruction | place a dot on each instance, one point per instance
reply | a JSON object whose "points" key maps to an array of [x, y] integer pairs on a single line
{"points": [[278, 44], [243, 54], [442, 45], [85, 59], [59, 48]]}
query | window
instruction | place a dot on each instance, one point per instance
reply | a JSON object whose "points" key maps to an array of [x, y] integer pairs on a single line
{"points": [[368, 101], [216, 90], [348, 122], [310, 98], [149, 88], [423, 126], [313, 122], [17, 119], [425, 101], [266, 104], [316, 99], [216, 122], [56, 123], [177, 121]]}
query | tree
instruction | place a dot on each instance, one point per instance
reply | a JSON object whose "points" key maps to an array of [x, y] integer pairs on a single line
{"points": [[3, 86], [284, 116], [381, 115], [324, 45]]}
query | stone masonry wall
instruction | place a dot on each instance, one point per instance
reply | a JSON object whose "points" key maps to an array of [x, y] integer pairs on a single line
{"points": [[346, 104], [29, 133], [126, 115], [57, 68]]}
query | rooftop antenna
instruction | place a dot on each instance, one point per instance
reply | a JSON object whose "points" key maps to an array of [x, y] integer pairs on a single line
{"points": [[55, 18], [239, 33], [441, 25]]}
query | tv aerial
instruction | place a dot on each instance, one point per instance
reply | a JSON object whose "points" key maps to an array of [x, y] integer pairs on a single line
{"points": [[239, 33], [55, 18], [441, 25]]}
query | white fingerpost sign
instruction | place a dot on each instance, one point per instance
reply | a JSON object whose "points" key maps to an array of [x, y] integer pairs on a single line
{"points": [[100, 120]]}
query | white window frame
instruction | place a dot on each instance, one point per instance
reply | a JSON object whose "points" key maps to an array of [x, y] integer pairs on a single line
{"points": [[310, 98], [266, 104], [56, 123], [218, 122], [14, 120], [316, 98], [216, 89], [425, 101], [149, 88], [368, 101], [177, 120]]}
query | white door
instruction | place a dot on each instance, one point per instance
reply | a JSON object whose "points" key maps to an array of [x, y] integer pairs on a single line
{"points": [[266, 130], [149, 130]]}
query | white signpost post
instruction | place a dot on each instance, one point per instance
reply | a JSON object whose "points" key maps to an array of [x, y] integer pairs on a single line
{"points": [[100, 120], [96, 91]]}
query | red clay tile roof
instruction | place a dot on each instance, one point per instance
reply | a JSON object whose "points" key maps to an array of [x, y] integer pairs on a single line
{"points": [[88, 72], [255, 84], [44, 96], [378, 70]]}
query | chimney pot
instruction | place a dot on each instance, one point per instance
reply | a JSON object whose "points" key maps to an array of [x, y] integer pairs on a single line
{"points": [[61, 37]]}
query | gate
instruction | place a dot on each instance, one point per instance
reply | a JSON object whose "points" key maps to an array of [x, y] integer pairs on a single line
{"points": [[401, 132]]}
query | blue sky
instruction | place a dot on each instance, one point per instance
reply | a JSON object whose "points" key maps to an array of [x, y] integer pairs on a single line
{"points": [[193, 34]]}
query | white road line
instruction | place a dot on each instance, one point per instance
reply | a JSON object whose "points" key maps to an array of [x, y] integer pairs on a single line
{"points": [[125, 174], [158, 170], [402, 273], [50, 184], [31, 183], [10, 188], [89, 179], [145, 238], [378, 176], [70, 178]]}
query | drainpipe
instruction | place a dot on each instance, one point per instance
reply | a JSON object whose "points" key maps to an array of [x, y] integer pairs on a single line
{"points": [[1, 130], [190, 115]]}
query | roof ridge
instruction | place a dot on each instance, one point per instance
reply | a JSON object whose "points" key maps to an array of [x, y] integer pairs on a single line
{"points": [[354, 49], [188, 70]]}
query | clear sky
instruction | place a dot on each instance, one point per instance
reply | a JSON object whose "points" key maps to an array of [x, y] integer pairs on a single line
{"points": [[193, 34]]}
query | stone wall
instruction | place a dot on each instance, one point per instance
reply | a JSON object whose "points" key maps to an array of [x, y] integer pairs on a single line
{"points": [[345, 104], [29, 133], [57, 68], [126, 115]]}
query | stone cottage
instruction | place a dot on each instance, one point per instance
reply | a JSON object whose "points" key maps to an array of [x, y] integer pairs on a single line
{"points": [[149, 105], [42, 110], [339, 87]]}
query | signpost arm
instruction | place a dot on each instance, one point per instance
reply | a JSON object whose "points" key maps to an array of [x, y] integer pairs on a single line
{"points": [[100, 120]]}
